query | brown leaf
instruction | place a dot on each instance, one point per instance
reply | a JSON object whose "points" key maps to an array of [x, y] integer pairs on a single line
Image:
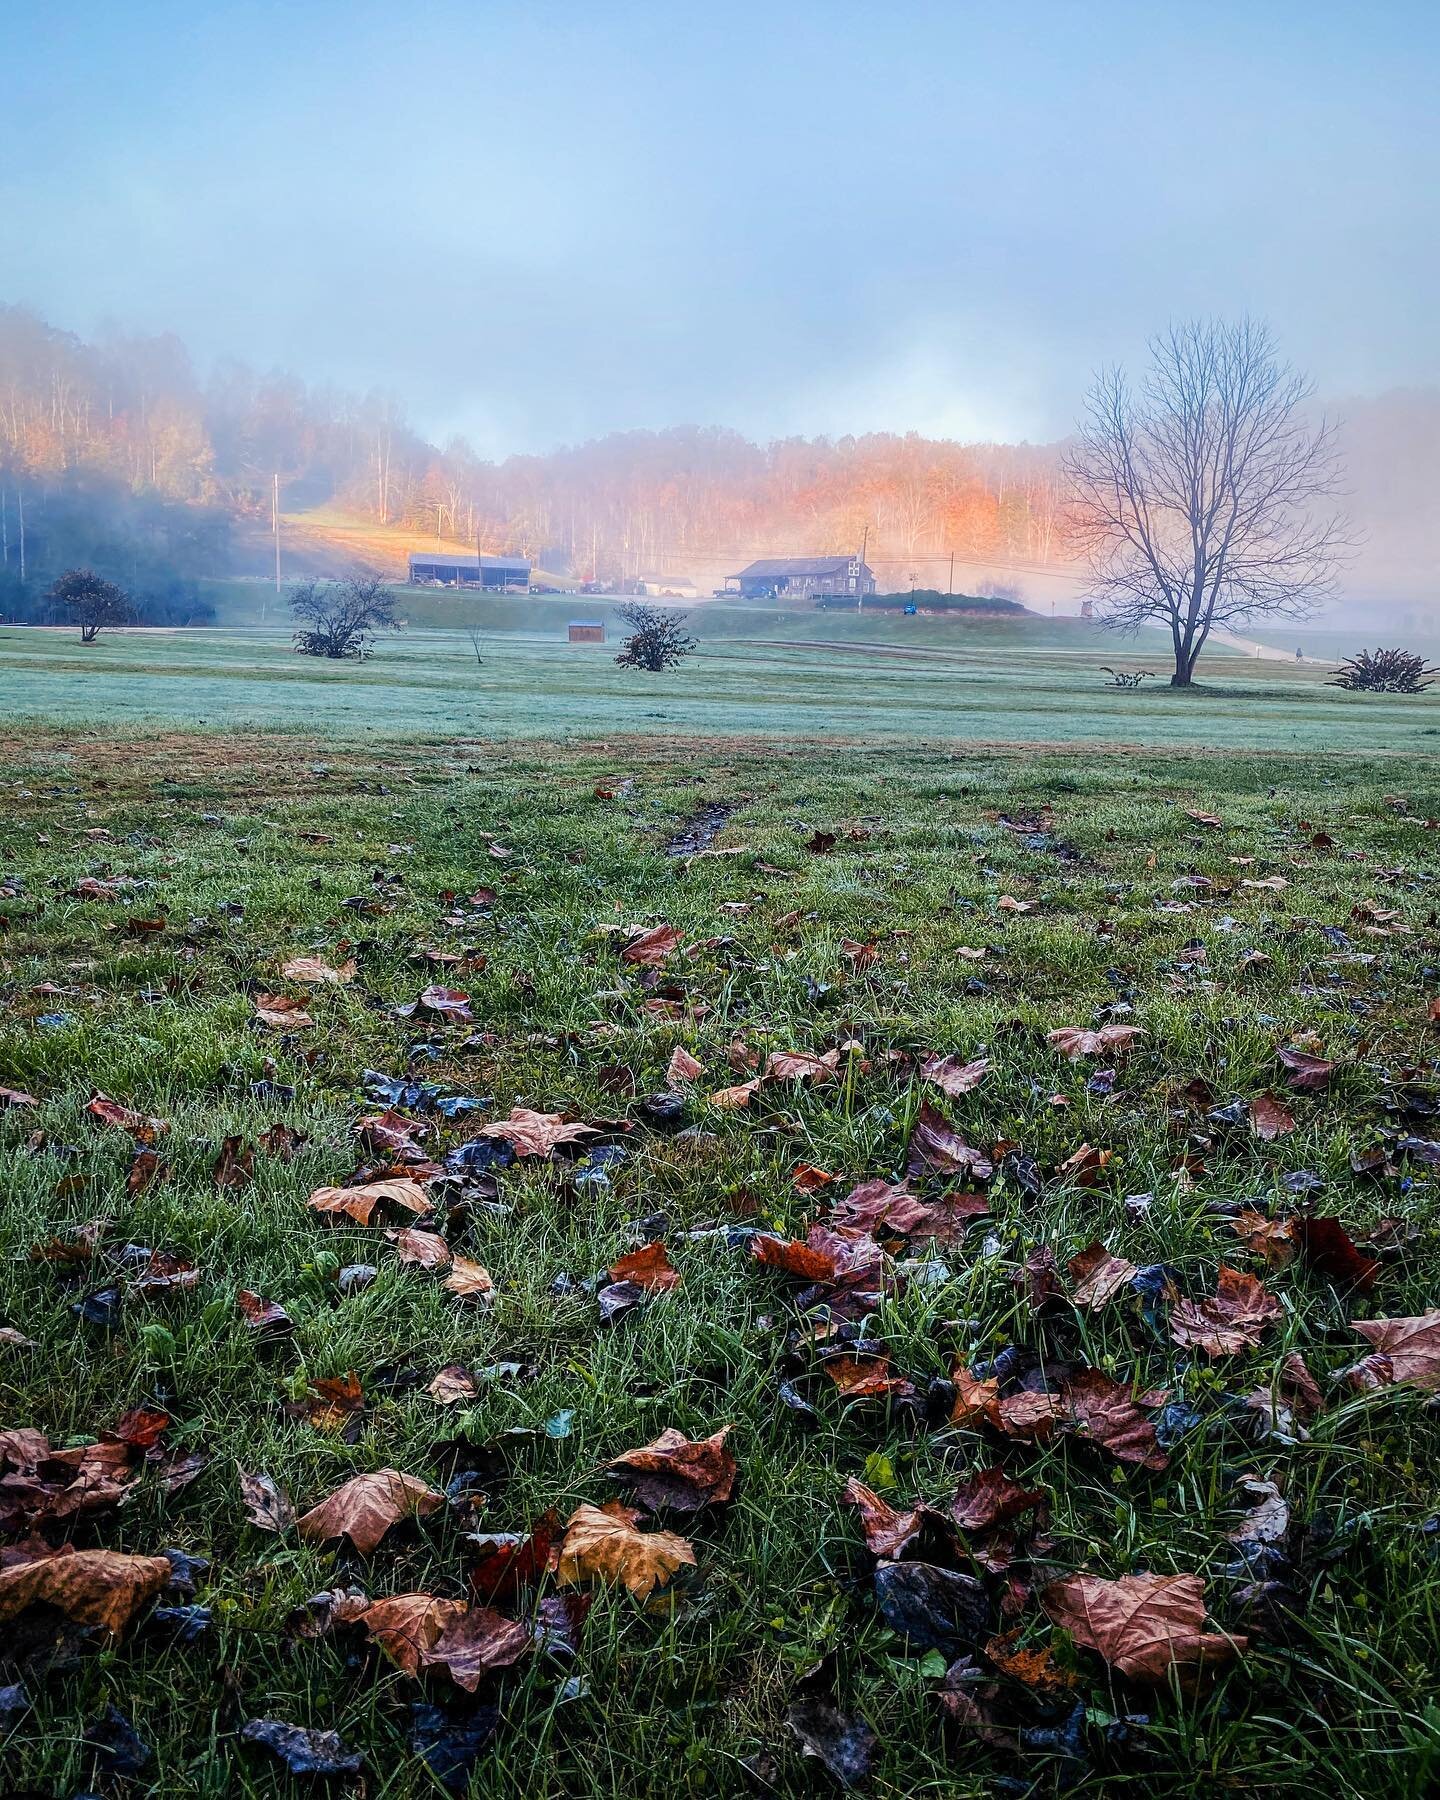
{"points": [[422, 1249], [952, 1076], [514, 1561], [1073, 1042], [649, 1268], [145, 1169], [235, 1165], [110, 1112], [1327, 1247], [800, 1065], [1273, 1240], [470, 1280], [650, 948], [391, 1131], [536, 1134], [1306, 1072], [887, 1532], [408, 1626], [603, 1544], [314, 971], [677, 1473], [1270, 1118], [364, 1508], [1213, 820], [793, 1257], [281, 1012], [730, 1099], [1034, 1667], [1086, 1165], [437, 1002], [333, 1402], [1409, 1348], [359, 1203], [1099, 1276], [990, 1498], [682, 1067], [90, 1587], [267, 1505], [1233, 1319], [936, 1145], [13, 1097], [281, 1140], [1142, 1625], [807, 1179], [879, 1206], [864, 1377], [475, 1643], [261, 1314], [452, 1384], [1103, 1412]]}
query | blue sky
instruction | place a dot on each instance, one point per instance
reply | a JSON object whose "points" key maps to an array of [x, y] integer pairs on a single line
{"points": [[536, 222]]}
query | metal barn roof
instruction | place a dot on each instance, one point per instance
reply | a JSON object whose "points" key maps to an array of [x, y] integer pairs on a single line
{"points": [[770, 567]]}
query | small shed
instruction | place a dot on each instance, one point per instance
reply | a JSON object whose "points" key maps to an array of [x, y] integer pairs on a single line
{"points": [[586, 631]]}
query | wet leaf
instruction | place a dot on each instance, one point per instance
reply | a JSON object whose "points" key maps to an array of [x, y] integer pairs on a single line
{"points": [[843, 1742], [952, 1076], [678, 1474], [360, 1203], [936, 1145], [282, 1013], [649, 1268], [536, 1134], [1099, 1276], [604, 1544], [1142, 1625], [1270, 1118], [1235, 1318], [364, 1508], [470, 1280], [303, 1750], [1306, 1072], [104, 1588], [267, 1505], [420, 1249]]}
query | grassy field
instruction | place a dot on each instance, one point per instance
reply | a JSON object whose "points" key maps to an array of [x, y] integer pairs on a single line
{"points": [[824, 680], [969, 903]]}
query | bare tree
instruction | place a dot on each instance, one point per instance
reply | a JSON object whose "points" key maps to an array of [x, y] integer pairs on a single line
{"points": [[342, 617], [1198, 502]]}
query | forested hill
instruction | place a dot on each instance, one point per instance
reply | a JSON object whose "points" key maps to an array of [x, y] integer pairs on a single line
{"points": [[120, 454]]}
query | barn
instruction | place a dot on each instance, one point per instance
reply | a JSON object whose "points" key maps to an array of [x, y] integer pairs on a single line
{"points": [[803, 577], [430, 568], [586, 631]]}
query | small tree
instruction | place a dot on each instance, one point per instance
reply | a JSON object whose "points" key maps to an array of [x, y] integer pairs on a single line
{"points": [[1199, 500], [95, 602], [1385, 672], [656, 641], [342, 617]]}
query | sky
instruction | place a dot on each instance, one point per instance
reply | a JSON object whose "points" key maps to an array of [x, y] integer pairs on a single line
{"points": [[536, 222]]}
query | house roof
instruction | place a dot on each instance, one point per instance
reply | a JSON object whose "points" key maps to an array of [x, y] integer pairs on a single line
{"points": [[772, 567], [444, 559]]}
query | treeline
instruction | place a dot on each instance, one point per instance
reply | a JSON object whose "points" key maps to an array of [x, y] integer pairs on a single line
{"points": [[118, 454]]}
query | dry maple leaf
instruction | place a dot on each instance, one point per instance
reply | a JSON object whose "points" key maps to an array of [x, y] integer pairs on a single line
{"points": [[1409, 1348], [364, 1508], [936, 1145], [650, 948], [235, 1165], [648, 1267], [1213, 820], [452, 1384], [1073, 1042], [408, 1626], [795, 1258], [864, 1377], [535, 1133], [1233, 1319], [470, 1280], [1306, 1072], [800, 1065], [1035, 1667], [1327, 1247], [422, 1249], [359, 1203], [678, 1473], [1270, 1118], [730, 1099], [1272, 1240], [267, 1505], [110, 1112], [1008, 903], [475, 1643], [281, 1012], [1099, 1276], [1103, 1411], [316, 972], [887, 1532], [682, 1067], [989, 1498], [602, 1543], [90, 1587], [1142, 1625], [952, 1076]]}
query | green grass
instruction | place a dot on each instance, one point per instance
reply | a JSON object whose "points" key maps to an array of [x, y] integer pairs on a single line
{"points": [[214, 824], [820, 680]]}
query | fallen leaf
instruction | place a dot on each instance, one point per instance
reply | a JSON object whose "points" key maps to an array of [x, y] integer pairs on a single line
{"points": [[420, 1249], [989, 1498], [1327, 1247], [800, 1065], [677, 1473], [282, 1013], [1233, 1319], [1073, 1042], [1142, 1625], [682, 1067], [888, 1532], [235, 1165], [603, 1544], [730, 1099], [267, 1505], [1306, 1072], [844, 1743], [1099, 1276], [452, 1384], [1270, 1118], [1408, 1348], [90, 1587], [314, 971], [952, 1076], [793, 1257], [470, 1280], [536, 1134], [359, 1203], [1104, 1412], [13, 1097], [1268, 1521], [649, 1268], [475, 1643], [1273, 1240], [650, 948], [364, 1508], [936, 1145], [408, 1626], [110, 1112], [437, 1002], [303, 1751]]}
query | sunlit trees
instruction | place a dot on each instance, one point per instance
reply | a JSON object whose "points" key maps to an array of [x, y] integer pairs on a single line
{"points": [[1200, 499]]}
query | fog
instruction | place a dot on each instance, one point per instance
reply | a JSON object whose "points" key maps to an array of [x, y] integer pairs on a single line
{"points": [[534, 224]]}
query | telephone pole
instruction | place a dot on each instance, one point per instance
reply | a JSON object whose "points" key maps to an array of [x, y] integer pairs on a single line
{"points": [[275, 523], [860, 578]]}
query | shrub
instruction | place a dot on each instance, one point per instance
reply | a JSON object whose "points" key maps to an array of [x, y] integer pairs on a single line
{"points": [[656, 641], [1385, 672], [94, 601], [342, 616]]}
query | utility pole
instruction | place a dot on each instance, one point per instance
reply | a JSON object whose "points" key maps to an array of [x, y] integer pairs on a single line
{"points": [[275, 523], [20, 506], [860, 578], [951, 588]]}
